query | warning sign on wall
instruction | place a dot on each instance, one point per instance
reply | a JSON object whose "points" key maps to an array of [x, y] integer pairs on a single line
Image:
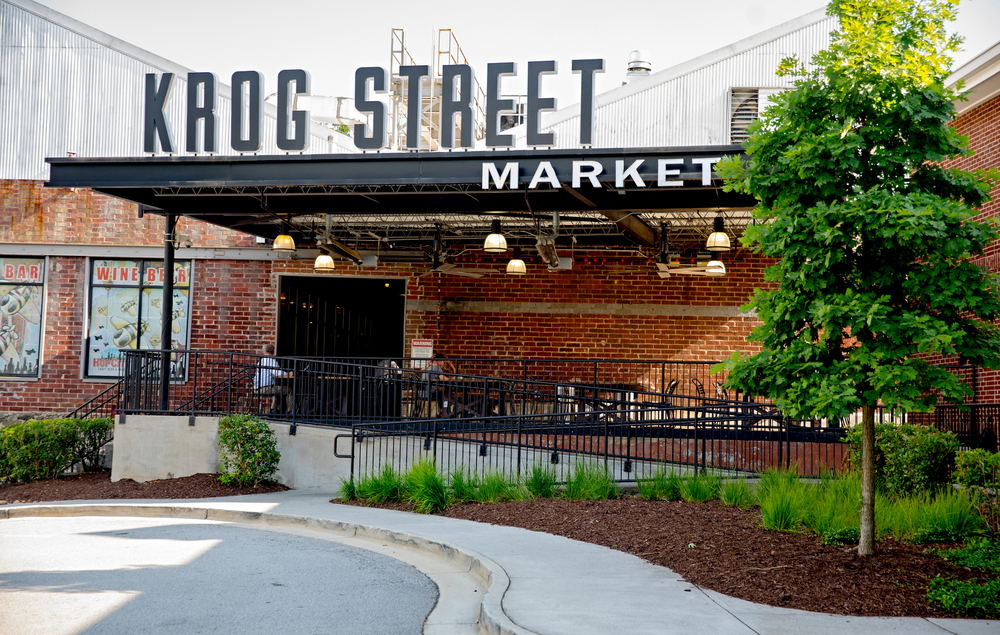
{"points": [[422, 349]]}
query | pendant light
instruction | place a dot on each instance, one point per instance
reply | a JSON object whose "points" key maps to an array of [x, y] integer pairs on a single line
{"points": [[516, 266], [716, 269], [323, 263], [718, 240], [495, 242], [283, 243]]}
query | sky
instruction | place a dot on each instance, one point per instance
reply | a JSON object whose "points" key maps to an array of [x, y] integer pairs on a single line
{"points": [[332, 38]]}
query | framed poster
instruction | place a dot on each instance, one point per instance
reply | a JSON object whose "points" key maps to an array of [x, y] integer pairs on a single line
{"points": [[126, 311], [22, 293]]}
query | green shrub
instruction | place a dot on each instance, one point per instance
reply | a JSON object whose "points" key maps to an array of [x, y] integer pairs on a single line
{"points": [[36, 450], [386, 485], [950, 517], [464, 487], [248, 451], [651, 488], [976, 554], [736, 493], [541, 483], [785, 504], [494, 487], [92, 435], [901, 516], [908, 458], [977, 468], [672, 487], [775, 478], [842, 536], [835, 506], [590, 482], [966, 599], [426, 489], [348, 490], [701, 488]]}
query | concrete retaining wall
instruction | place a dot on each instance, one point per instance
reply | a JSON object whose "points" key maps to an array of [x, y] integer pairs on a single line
{"points": [[148, 448]]}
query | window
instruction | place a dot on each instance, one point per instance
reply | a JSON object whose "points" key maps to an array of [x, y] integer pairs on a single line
{"points": [[22, 292], [126, 311]]}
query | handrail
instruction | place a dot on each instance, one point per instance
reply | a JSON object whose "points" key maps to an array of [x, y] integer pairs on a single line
{"points": [[111, 395]]}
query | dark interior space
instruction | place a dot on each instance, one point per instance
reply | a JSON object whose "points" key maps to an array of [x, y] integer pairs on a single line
{"points": [[341, 317]]}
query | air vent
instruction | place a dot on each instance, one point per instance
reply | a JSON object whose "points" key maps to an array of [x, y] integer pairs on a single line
{"points": [[743, 110]]}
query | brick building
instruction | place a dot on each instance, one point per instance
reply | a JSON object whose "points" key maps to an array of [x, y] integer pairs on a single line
{"points": [[97, 277]]}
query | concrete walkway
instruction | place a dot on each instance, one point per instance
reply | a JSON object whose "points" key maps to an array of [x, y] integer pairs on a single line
{"points": [[507, 580]]}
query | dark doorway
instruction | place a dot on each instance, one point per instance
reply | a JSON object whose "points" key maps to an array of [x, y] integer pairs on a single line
{"points": [[341, 317]]}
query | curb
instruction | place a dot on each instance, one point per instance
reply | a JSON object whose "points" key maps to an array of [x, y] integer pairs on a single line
{"points": [[492, 619]]}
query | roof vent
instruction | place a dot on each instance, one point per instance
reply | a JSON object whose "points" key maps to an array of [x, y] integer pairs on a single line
{"points": [[637, 67], [743, 110]]}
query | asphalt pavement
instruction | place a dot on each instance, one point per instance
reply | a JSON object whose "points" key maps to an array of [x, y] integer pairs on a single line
{"points": [[488, 579]]}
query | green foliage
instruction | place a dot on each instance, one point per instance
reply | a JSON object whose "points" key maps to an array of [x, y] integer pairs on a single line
{"points": [[977, 468], [874, 237], [901, 516], [908, 458], [976, 554], [248, 451], [92, 435], [661, 486], [966, 599], [426, 489], [784, 502], [464, 486], [348, 490], [774, 478], [737, 493], [841, 536], [590, 482], [494, 487], [701, 488], [835, 506], [36, 450], [386, 485], [950, 517], [541, 482]]}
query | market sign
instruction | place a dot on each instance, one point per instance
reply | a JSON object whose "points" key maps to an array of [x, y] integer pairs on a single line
{"points": [[457, 90]]}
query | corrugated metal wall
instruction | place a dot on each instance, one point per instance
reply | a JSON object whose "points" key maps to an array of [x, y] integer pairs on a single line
{"points": [[63, 92], [693, 108]]}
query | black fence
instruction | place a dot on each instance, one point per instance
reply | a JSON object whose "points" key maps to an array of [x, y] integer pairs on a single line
{"points": [[496, 414], [635, 417]]}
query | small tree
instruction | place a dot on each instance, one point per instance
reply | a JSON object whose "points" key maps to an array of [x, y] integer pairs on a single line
{"points": [[873, 235]]}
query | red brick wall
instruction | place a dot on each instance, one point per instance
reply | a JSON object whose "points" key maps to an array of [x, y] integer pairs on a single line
{"points": [[235, 303], [981, 126], [32, 213]]}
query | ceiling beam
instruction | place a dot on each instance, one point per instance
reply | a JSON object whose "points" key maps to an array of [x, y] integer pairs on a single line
{"points": [[632, 225]]}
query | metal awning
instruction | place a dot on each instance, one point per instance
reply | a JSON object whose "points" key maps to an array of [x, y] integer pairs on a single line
{"points": [[399, 201]]}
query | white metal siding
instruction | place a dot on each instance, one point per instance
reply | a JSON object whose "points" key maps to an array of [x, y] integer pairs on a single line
{"points": [[63, 92], [693, 108]]}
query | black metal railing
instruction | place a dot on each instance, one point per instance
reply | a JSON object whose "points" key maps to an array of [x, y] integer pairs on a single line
{"points": [[975, 425], [483, 414], [107, 403], [635, 416]]}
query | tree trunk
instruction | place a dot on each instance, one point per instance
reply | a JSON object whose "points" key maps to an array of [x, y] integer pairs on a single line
{"points": [[866, 543]]}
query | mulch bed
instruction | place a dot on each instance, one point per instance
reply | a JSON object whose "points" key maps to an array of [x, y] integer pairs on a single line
{"points": [[98, 486], [708, 544], [724, 549]]}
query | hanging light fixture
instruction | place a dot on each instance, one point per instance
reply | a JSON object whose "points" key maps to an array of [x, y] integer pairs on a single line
{"points": [[323, 263], [283, 243], [495, 242], [718, 240], [715, 269], [516, 265]]}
